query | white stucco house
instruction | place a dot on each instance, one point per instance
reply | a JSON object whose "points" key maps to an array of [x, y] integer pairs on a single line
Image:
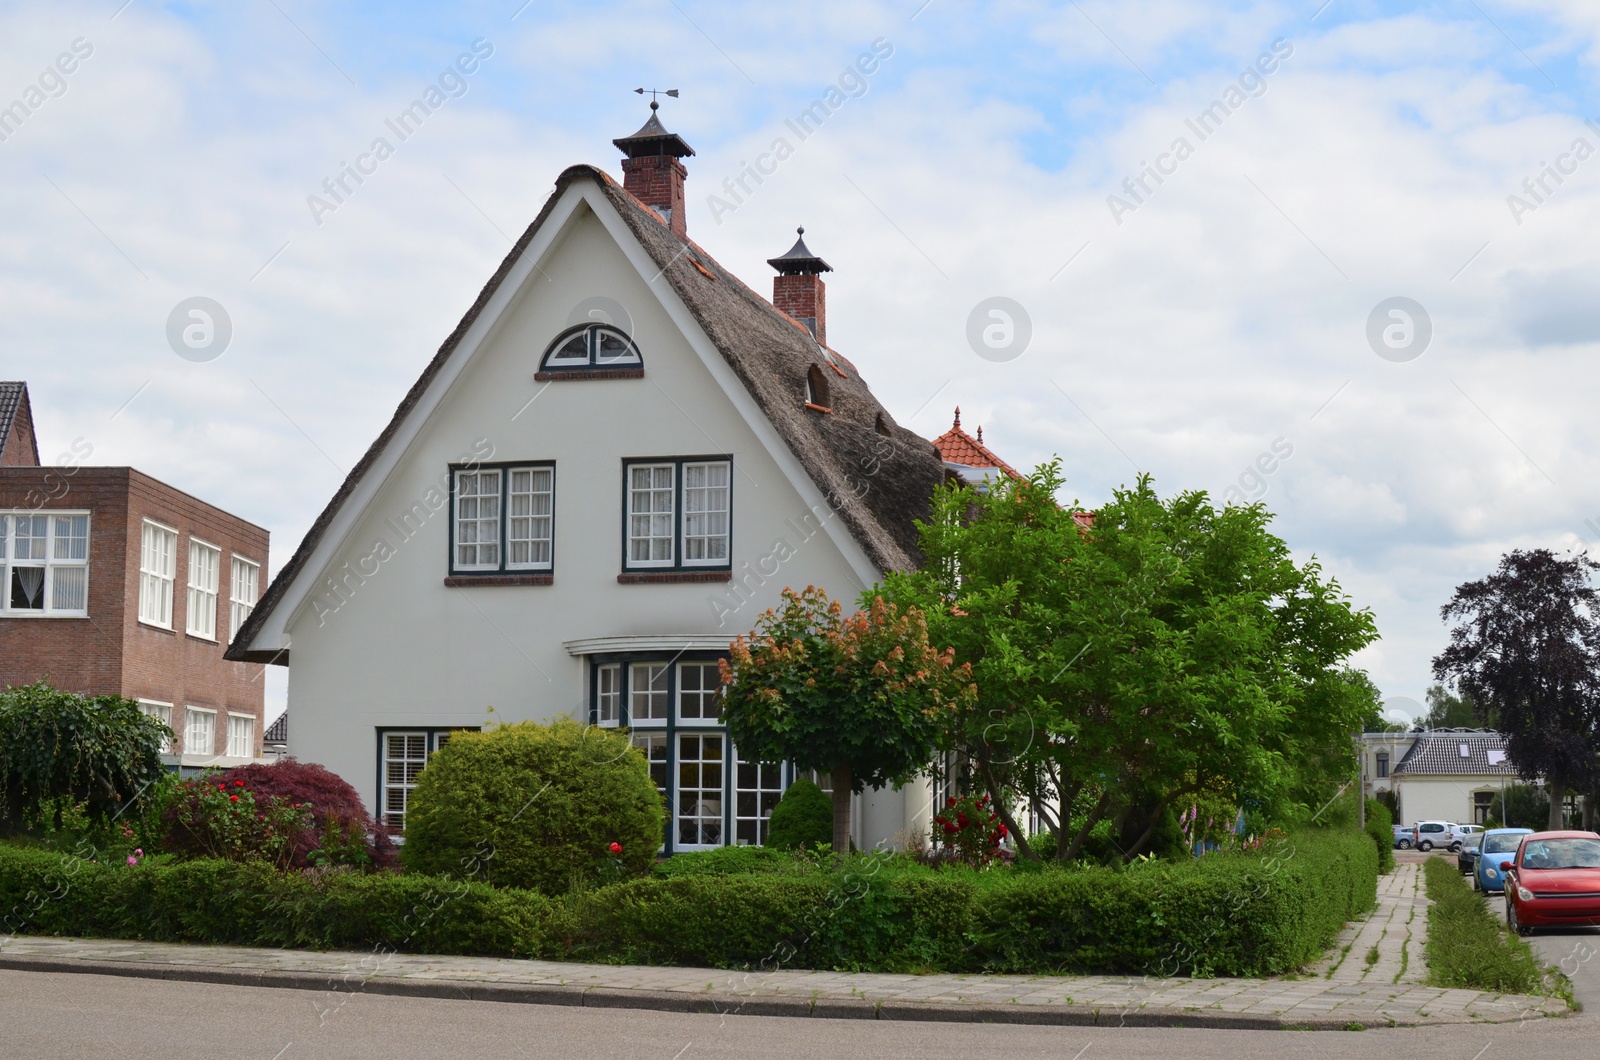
{"points": [[1440, 774], [611, 467]]}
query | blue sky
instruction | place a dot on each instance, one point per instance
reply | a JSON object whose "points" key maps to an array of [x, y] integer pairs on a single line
{"points": [[1221, 319]]}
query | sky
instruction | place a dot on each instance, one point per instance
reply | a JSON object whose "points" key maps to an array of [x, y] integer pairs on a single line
{"points": [[1333, 256]]}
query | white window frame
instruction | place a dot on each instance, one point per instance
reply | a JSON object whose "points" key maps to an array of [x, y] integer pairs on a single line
{"points": [[702, 698], [400, 782], [244, 591], [608, 695], [190, 714], [540, 524], [53, 566], [477, 520], [768, 786], [156, 583], [711, 516], [647, 693], [200, 604], [690, 806], [250, 737], [162, 712], [633, 515]]}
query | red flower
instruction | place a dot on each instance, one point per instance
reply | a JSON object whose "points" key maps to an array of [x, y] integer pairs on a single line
{"points": [[238, 783], [616, 848], [951, 801], [233, 798], [1002, 831], [222, 787]]}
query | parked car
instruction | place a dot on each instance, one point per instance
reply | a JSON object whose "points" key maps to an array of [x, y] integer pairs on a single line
{"points": [[1554, 879], [1429, 834], [1460, 832], [1496, 845], [1467, 853], [1402, 836]]}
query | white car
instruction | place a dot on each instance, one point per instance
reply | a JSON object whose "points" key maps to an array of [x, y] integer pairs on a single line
{"points": [[1460, 832], [1429, 834]]}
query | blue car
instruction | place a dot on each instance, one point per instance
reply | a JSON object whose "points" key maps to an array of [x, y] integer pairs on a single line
{"points": [[1498, 844]]}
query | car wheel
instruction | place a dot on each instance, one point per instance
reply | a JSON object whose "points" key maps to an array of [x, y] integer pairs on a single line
{"points": [[1513, 923], [1425, 846], [1405, 844], [1475, 886], [1455, 848]]}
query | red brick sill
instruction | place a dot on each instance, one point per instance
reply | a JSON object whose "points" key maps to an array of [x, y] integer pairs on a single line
{"points": [[668, 577], [469, 581], [588, 373]]}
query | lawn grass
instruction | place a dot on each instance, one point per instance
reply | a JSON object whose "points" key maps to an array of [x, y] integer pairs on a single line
{"points": [[1467, 946]]}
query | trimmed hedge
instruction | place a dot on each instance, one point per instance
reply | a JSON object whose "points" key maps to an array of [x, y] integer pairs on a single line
{"points": [[1380, 826], [1223, 914]]}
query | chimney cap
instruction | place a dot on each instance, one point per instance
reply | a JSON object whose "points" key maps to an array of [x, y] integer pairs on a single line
{"points": [[799, 261], [653, 139]]}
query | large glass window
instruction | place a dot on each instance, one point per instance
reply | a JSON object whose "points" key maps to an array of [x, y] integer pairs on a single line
{"points": [[205, 569], [757, 788], [44, 564], [679, 514], [403, 754], [648, 694], [608, 694], [158, 569], [162, 712], [504, 519], [244, 589], [1383, 763], [698, 686], [700, 781], [241, 735], [199, 731]]}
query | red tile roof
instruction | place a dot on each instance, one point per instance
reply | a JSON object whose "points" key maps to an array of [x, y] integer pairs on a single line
{"points": [[956, 446]]}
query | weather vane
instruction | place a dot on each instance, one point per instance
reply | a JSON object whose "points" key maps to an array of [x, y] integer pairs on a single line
{"points": [[654, 92]]}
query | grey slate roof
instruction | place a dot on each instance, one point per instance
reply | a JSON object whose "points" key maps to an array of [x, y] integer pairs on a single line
{"points": [[13, 399], [278, 731], [878, 476], [1438, 753]]}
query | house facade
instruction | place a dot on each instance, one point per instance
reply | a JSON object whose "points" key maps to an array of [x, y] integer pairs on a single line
{"points": [[1438, 775], [115, 583], [610, 469]]}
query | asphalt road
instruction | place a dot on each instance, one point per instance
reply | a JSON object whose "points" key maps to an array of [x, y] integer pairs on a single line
{"points": [[45, 1015], [1575, 950]]}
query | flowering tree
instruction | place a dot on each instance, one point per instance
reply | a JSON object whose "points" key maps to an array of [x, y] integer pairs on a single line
{"points": [[865, 698]]}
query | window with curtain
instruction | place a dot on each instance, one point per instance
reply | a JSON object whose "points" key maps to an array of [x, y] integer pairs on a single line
{"points": [[44, 564]]}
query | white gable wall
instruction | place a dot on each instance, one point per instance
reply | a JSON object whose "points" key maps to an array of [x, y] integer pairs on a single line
{"points": [[384, 643]]}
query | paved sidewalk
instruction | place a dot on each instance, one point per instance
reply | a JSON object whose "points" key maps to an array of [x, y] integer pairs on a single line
{"points": [[1397, 930], [1316, 1003]]}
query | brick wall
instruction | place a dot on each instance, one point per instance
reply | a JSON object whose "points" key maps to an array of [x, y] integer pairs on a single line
{"points": [[805, 299], [657, 181], [111, 651]]}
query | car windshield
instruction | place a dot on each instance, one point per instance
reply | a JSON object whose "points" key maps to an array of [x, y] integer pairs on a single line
{"points": [[1471, 842], [1562, 854], [1502, 844]]}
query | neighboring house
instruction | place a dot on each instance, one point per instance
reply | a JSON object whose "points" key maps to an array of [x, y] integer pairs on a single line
{"points": [[1439, 775], [275, 741], [968, 459], [114, 583], [613, 465]]}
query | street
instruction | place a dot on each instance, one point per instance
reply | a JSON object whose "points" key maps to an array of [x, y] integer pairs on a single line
{"points": [[47, 1015]]}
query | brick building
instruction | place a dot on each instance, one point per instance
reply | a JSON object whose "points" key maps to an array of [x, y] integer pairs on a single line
{"points": [[112, 582]]}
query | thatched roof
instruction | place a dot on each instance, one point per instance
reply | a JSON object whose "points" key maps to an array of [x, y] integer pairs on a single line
{"points": [[879, 477]]}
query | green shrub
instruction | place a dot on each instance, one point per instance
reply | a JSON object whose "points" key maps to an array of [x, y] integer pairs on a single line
{"points": [[1380, 826], [730, 861], [251, 904], [1043, 845], [67, 749], [802, 818], [1222, 914], [535, 806], [1467, 946]]}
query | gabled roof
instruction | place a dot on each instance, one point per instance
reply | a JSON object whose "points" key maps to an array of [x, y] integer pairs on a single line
{"points": [[956, 446], [1438, 753], [278, 731], [14, 410], [878, 480]]}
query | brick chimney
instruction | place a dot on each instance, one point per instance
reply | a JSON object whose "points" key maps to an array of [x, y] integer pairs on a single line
{"points": [[798, 288], [652, 173]]}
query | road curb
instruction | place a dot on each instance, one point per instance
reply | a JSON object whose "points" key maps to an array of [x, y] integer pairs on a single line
{"points": [[679, 1001]]}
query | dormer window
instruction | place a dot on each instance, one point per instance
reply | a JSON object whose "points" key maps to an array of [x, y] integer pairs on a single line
{"points": [[817, 390], [591, 351]]}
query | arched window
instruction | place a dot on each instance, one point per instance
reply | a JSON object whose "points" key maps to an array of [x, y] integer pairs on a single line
{"points": [[591, 348], [817, 388]]}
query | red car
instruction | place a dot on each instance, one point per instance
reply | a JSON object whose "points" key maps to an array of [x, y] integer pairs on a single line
{"points": [[1553, 880]]}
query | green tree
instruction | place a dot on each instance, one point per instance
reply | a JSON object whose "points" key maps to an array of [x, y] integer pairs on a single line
{"points": [[101, 751], [1527, 647], [1152, 652], [863, 697], [1446, 710]]}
